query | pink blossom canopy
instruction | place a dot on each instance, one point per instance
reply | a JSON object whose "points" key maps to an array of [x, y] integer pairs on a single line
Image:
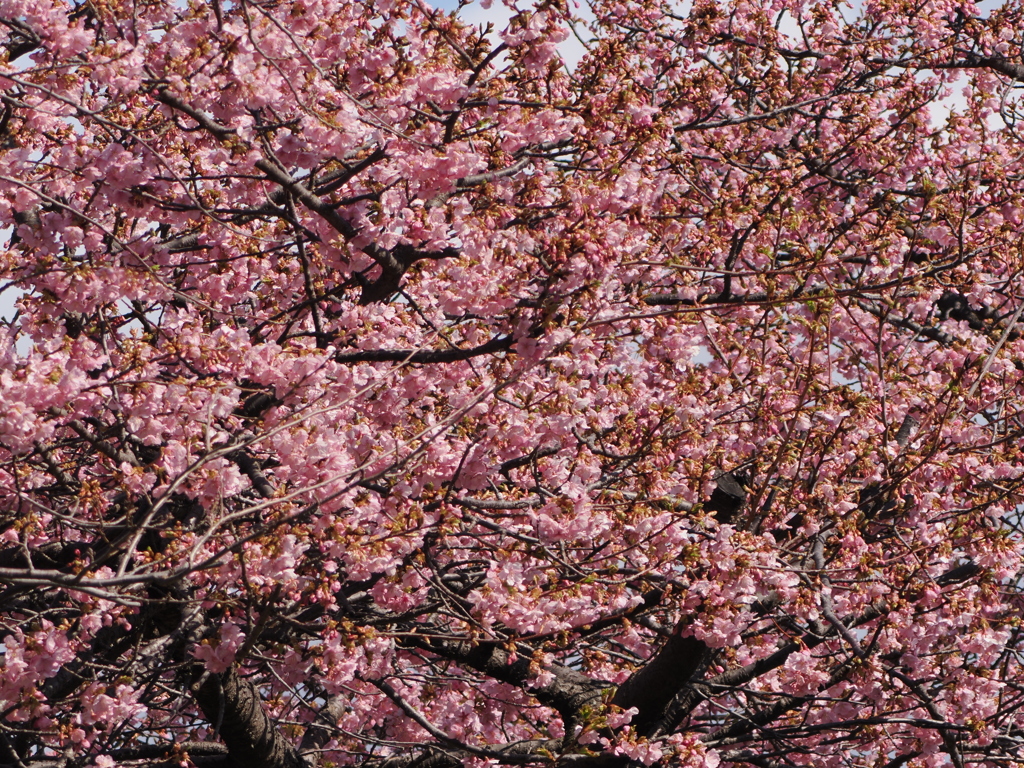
{"points": [[380, 389]]}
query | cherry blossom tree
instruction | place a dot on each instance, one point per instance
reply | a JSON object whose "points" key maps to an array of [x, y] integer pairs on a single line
{"points": [[382, 391]]}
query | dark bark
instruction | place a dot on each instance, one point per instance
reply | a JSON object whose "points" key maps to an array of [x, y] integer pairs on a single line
{"points": [[653, 687], [251, 469], [568, 693], [418, 356], [727, 498], [232, 705], [320, 730], [1000, 64], [21, 39]]}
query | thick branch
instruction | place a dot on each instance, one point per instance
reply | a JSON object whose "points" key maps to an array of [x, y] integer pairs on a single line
{"points": [[727, 498], [21, 40], [656, 686], [568, 693], [653, 687], [393, 263], [998, 63], [692, 694], [319, 731], [164, 96], [320, 206], [252, 470], [232, 705], [419, 356]]}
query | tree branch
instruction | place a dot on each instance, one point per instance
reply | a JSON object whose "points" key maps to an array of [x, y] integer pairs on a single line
{"points": [[251, 737], [568, 693], [421, 356]]}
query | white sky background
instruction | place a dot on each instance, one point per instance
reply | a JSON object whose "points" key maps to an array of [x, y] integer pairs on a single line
{"points": [[572, 50], [8, 297]]}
